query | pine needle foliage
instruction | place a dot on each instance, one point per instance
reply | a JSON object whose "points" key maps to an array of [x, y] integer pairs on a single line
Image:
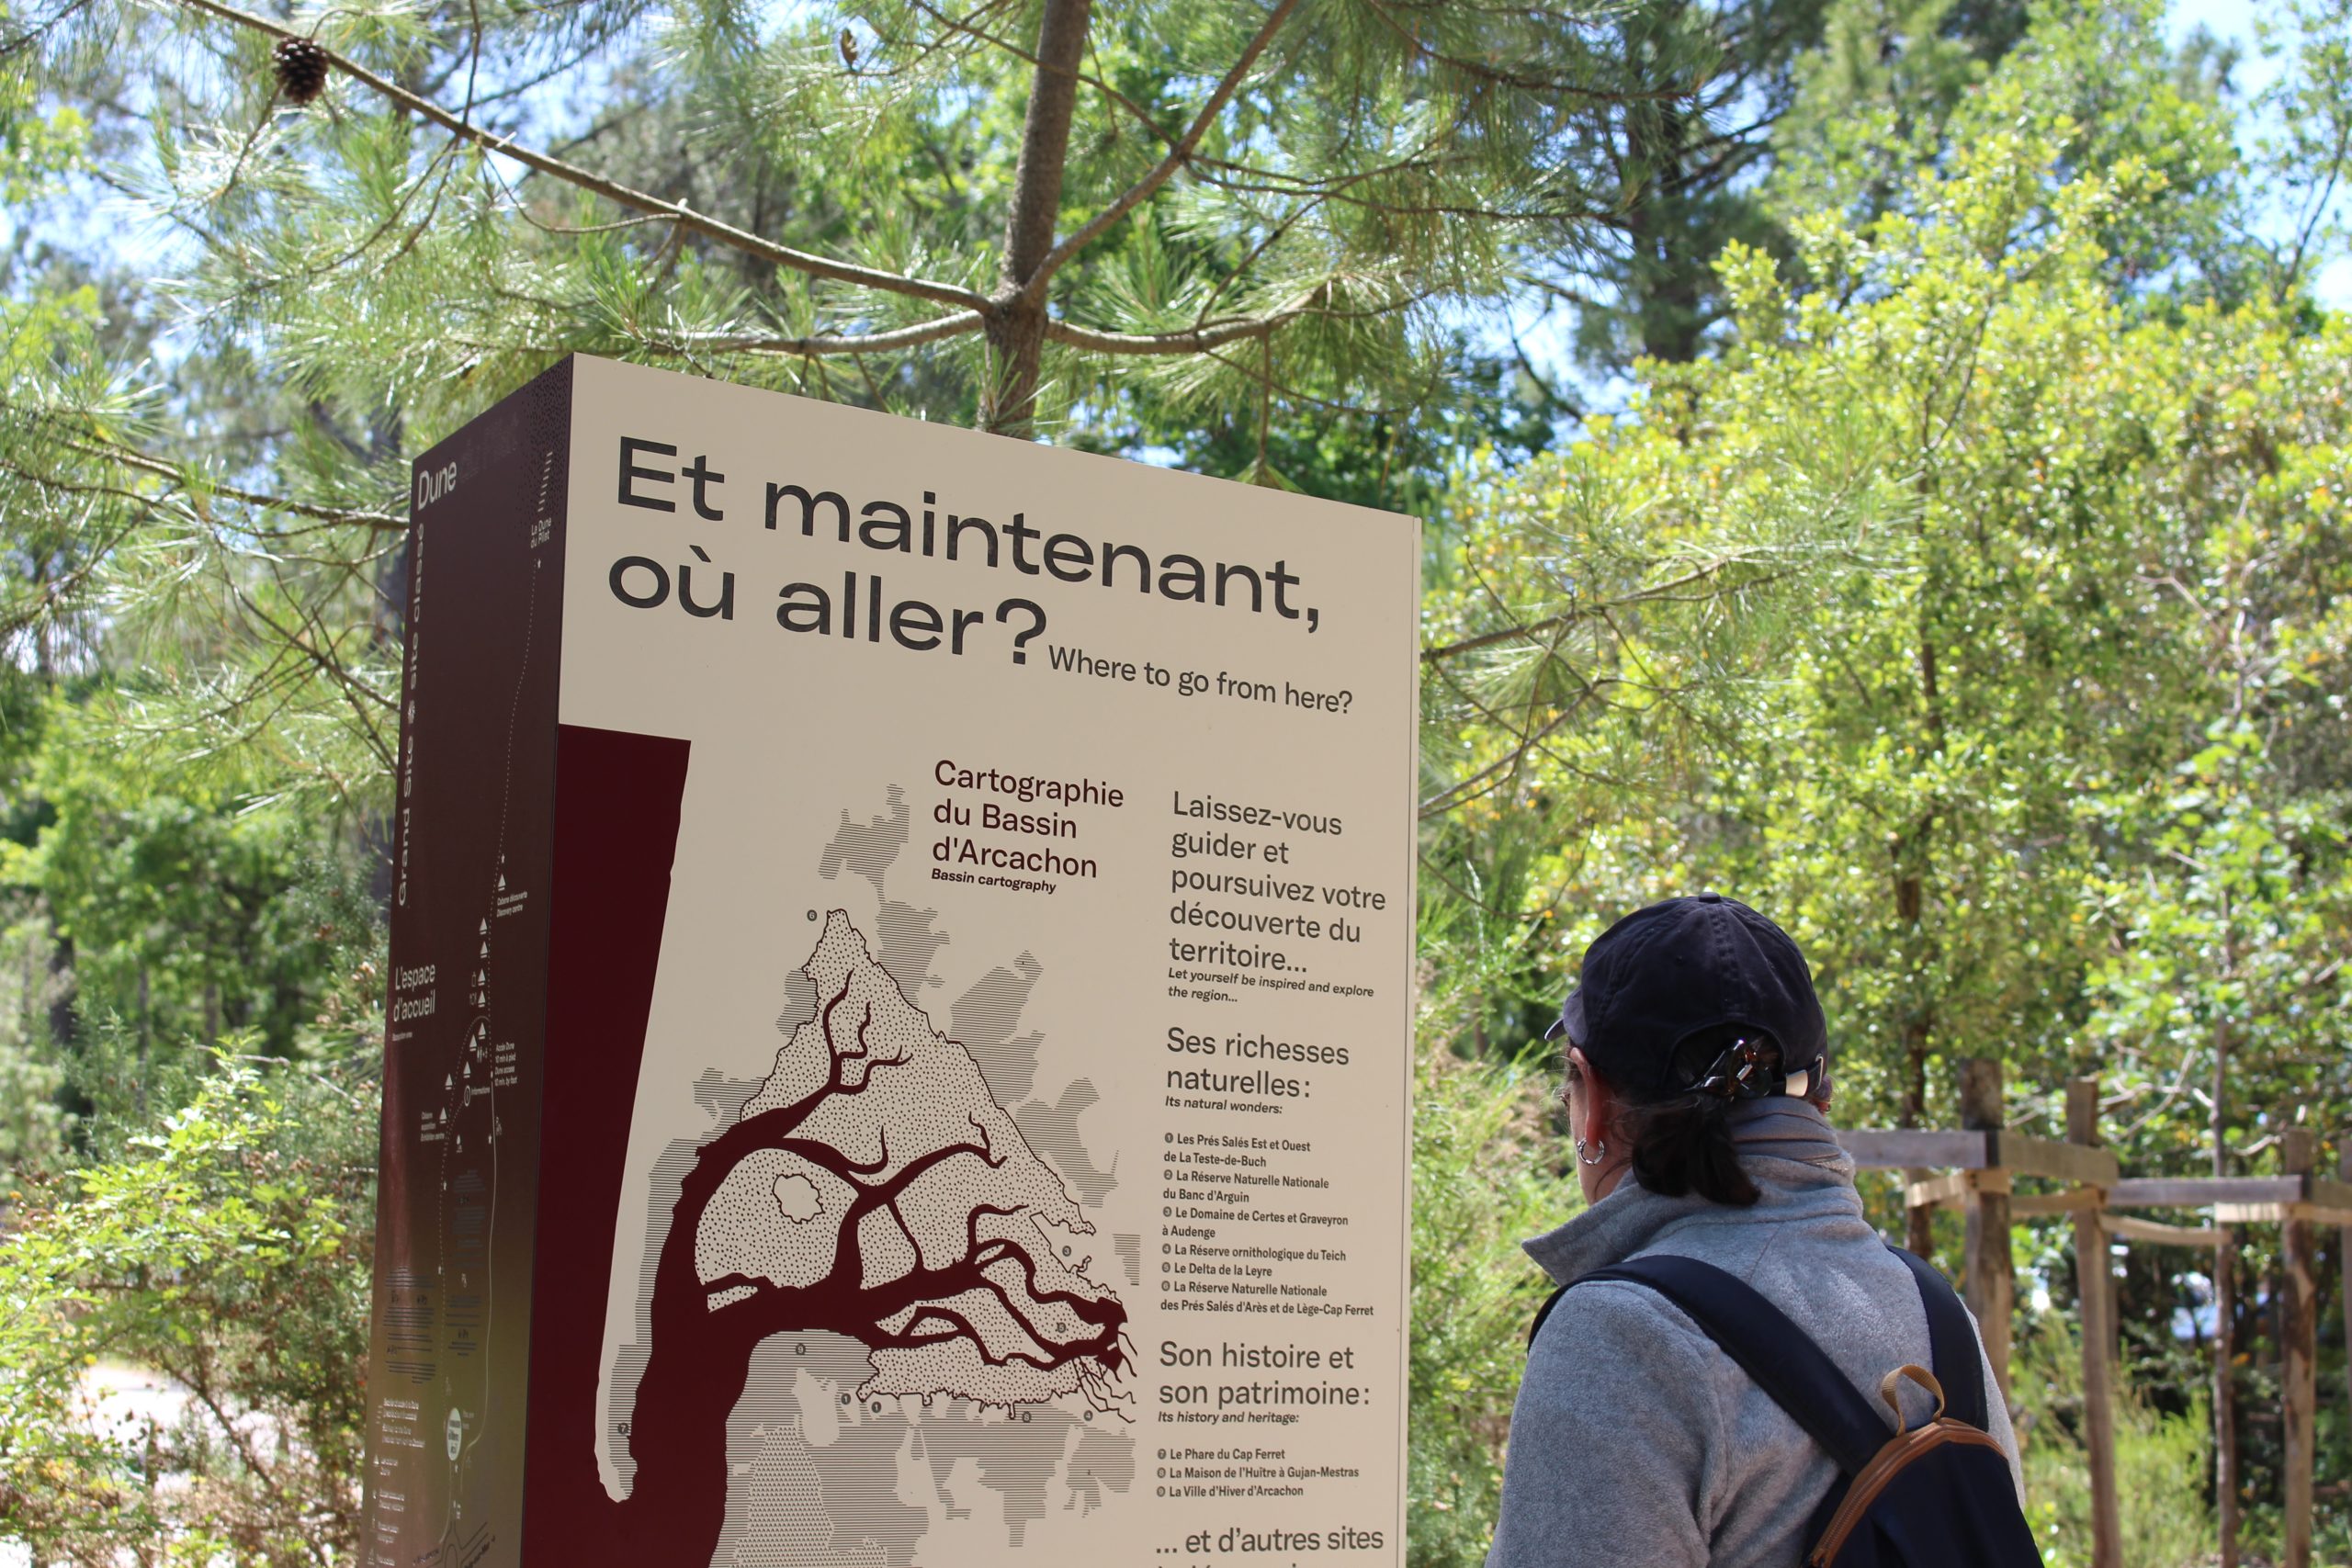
{"points": [[1044, 217]]}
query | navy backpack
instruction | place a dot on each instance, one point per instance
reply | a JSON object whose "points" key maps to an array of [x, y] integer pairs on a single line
{"points": [[1938, 1495]]}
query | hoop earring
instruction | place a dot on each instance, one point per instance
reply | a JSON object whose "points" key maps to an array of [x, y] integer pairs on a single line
{"points": [[1599, 1152]]}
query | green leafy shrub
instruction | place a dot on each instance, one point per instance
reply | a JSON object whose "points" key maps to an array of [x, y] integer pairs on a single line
{"points": [[1482, 1183], [226, 1248], [2161, 1462]]}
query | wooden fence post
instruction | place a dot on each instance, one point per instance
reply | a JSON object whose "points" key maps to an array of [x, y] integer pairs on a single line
{"points": [[2225, 1399], [1918, 1219], [2299, 1325], [2095, 1282], [1988, 1280], [2344, 1267]]}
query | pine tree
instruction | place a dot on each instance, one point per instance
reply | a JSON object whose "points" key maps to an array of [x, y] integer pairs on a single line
{"points": [[1052, 217]]}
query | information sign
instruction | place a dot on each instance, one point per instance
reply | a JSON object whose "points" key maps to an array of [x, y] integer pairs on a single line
{"points": [[899, 1019]]}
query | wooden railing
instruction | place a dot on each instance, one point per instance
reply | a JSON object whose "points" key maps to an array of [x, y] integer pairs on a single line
{"points": [[1976, 1170]]}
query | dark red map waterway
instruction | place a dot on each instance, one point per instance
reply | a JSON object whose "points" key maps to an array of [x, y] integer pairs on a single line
{"points": [[616, 822]]}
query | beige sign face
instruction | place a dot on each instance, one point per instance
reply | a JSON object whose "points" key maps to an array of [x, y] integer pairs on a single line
{"points": [[1027, 1072]]}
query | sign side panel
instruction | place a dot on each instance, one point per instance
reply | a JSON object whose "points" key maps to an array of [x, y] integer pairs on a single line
{"points": [[1410, 878], [449, 1339]]}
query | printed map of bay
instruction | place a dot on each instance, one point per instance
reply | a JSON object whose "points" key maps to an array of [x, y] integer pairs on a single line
{"points": [[880, 1287]]}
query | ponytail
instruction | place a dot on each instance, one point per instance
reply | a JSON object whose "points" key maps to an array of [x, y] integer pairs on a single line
{"points": [[1683, 1143]]}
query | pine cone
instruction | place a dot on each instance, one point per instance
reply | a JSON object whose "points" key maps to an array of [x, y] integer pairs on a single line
{"points": [[301, 69]]}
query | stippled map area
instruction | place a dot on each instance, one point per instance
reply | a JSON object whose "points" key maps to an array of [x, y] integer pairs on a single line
{"points": [[874, 1315]]}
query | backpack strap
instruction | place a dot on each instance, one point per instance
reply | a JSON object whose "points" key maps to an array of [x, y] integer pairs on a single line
{"points": [[1959, 1364], [1776, 1353], [1542, 1313]]}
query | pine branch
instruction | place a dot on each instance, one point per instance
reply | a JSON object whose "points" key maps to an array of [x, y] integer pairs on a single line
{"points": [[1189, 340], [1518, 81], [1515, 757], [853, 343], [378, 522], [1663, 592], [1192, 340], [613, 190]]}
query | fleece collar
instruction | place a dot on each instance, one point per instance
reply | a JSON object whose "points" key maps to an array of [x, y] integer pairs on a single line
{"points": [[1787, 1148]]}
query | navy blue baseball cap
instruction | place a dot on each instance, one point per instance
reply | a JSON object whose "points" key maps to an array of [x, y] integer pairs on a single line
{"points": [[1674, 969]]}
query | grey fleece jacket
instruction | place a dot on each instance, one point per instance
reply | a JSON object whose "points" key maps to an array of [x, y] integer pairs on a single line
{"points": [[1635, 1442]]}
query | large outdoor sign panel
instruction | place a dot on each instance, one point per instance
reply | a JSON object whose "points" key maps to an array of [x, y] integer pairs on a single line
{"points": [[901, 1001]]}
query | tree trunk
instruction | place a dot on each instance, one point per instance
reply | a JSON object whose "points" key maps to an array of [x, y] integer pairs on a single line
{"points": [[62, 997], [64, 1022], [1912, 857], [1669, 307], [2298, 1351], [1989, 1277], [2225, 1413], [2095, 1285], [2344, 1265], [389, 632], [1017, 320], [1919, 1233], [2225, 1270], [146, 1049]]}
